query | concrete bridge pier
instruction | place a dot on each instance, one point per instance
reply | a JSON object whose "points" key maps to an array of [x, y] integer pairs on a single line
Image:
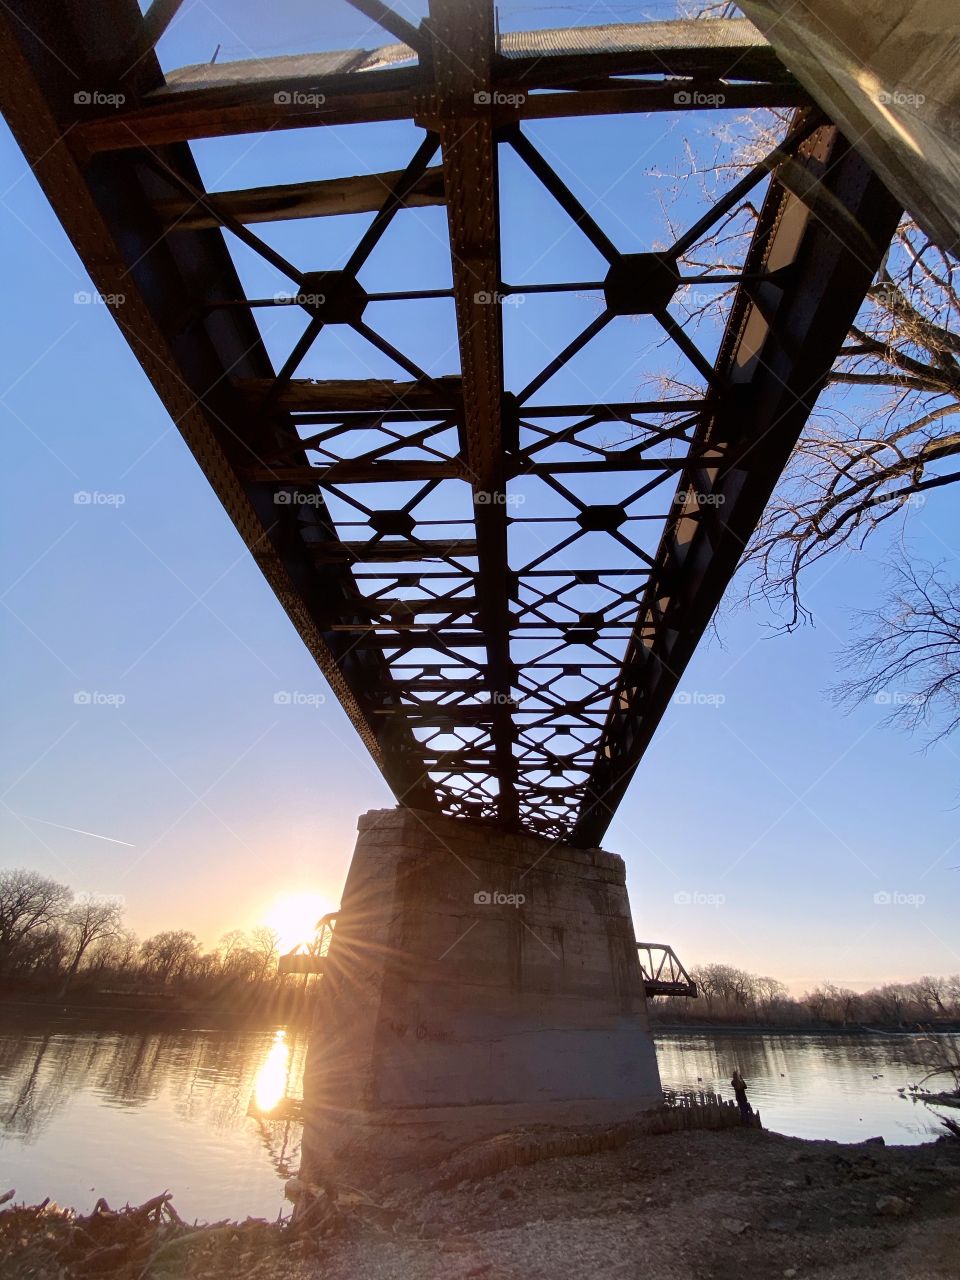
{"points": [[888, 73], [476, 982]]}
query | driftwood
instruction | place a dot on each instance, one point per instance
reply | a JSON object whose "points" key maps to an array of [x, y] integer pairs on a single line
{"points": [[150, 1241], [941, 1099]]}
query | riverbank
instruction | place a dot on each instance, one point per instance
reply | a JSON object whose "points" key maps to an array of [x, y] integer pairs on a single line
{"points": [[152, 1013], [802, 1029], [678, 1206]]}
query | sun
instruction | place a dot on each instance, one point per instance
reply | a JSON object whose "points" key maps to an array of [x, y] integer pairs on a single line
{"points": [[294, 918]]}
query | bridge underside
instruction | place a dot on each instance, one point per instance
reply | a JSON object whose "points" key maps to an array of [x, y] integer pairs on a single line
{"points": [[502, 588]]}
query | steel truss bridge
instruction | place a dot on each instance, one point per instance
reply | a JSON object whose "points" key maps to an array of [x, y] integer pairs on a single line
{"points": [[513, 666]]}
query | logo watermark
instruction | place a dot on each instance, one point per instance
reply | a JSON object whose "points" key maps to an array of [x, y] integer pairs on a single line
{"points": [[298, 98], [495, 898], [498, 99], [94, 498], [497, 498], [97, 98], [93, 899], [499, 699], [484, 298], [686, 496], [887, 699], [896, 98], [697, 898], [284, 498], [694, 698], [893, 898], [299, 299], [294, 698], [84, 298], [94, 698], [694, 98], [498, 300]]}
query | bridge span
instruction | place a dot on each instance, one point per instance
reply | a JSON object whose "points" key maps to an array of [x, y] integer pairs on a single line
{"points": [[501, 662]]}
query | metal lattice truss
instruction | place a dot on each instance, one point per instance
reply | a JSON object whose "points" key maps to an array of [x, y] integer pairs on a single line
{"points": [[500, 662], [662, 972]]}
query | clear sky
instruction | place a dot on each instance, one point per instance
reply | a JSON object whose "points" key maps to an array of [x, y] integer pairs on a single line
{"points": [[778, 817]]}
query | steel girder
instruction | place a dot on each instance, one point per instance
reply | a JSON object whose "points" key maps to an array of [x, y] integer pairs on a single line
{"points": [[476, 676]]}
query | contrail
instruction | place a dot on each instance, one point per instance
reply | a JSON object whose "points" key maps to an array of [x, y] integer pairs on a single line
{"points": [[80, 832]]}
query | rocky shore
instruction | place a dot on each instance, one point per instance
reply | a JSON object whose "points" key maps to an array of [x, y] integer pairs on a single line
{"points": [[738, 1204]]}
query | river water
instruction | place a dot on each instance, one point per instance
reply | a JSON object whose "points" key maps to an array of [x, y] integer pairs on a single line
{"points": [[127, 1114]]}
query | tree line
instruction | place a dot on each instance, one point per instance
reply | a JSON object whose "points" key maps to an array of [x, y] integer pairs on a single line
{"points": [[728, 994], [53, 940]]}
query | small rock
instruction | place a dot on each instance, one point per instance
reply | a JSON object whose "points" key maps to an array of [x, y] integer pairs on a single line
{"points": [[736, 1226], [508, 1193], [789, 1273], [781, 1225], [789, 1184], [874, 1142], [619, 1205], [892, 1206]]}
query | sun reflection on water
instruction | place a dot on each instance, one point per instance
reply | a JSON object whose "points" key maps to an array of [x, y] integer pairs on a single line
{"points": [[271, 1083]]}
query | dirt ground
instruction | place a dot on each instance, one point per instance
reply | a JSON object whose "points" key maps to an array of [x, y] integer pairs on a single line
{"points": [[734, 1205], [695, 1205]]}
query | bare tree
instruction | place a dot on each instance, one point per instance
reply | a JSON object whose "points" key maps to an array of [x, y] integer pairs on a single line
{"points": [[92, 918], [907, 655], [29, 902], [931, 993], [117, 951], [167, 954], [884, 435], [265, 944], [234, 953]]}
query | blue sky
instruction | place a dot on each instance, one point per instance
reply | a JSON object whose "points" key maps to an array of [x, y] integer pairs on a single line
{"points": [[762, 822]]}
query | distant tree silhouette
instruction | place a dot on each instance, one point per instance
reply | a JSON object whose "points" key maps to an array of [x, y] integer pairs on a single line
{"points": [[167, 955], [29, 904], [92, 918]]}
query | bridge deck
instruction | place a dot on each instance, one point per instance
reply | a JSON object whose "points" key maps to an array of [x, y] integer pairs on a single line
{"points": [[499, 662]]}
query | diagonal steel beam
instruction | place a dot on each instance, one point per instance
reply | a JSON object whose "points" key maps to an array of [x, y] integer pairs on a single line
{"points": [[772, 365], [391, 21]]}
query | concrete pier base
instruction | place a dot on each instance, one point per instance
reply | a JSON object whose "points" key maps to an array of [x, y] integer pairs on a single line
{"points": [[476, 982]]}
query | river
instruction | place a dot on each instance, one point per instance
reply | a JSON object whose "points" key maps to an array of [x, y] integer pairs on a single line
{"points": [[125, 1114]]}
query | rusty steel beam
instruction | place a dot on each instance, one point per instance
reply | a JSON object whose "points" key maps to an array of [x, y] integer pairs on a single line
{"points": [[775, 358], [439, 395], [735, 62], [177, 118], [361, 194], [381, 471], [463, 38]]}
